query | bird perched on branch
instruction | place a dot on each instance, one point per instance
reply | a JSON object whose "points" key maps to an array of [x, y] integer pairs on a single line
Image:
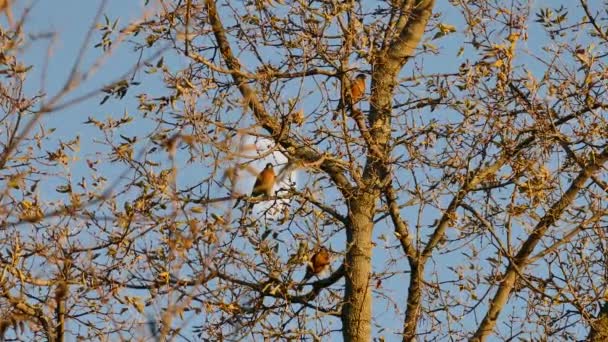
{"points": [[354, 94], [263, 184], [318, 263]]}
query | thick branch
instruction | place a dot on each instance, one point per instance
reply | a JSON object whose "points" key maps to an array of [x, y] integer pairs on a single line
{"points": [[403, 46], [522, 258], [389, 63], [265, 120], [265, 290], [449, 213], [400, 225], [599, 327], [413, 18]]}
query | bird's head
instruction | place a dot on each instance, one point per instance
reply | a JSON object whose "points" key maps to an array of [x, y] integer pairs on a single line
{"points": [[269, 166], [361, 77]]}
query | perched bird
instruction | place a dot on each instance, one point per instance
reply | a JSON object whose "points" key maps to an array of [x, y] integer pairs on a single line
{"points": [[263, 184], [317, 264], [357, 88], [355, 93]]}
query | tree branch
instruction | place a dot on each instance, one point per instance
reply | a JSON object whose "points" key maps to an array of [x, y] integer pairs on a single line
{"points": [[521, 259], [269, 123]]}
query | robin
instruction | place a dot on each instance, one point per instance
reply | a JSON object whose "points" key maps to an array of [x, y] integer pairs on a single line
{"points": [[264, 183], [318, 263], [355, 93]]}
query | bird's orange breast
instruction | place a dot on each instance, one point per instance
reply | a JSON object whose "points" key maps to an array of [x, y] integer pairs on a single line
{"points": [[357, 90]]}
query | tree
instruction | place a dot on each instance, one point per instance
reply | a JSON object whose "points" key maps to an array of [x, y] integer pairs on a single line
{"points": [[473, 170]]}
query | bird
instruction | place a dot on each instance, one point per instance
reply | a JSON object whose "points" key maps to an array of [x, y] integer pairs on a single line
{"points": [[318, 263], [263, 184], [355, 93]]}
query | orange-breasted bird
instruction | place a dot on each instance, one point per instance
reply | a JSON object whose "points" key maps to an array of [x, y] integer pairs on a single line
{"points": [[263, 183], [318, 263], [355, 93]]}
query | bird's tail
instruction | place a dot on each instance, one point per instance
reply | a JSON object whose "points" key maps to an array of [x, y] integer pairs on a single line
{"points": [[340, 105], [338, 110], [349, 108]]}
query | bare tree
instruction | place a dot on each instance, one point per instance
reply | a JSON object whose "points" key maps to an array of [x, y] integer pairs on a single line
{"points": [[462, 194]]}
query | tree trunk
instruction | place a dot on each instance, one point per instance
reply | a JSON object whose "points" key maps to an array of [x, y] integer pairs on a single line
{"points": [[599, 327], [414, 297], [61, 294], [357, 310]]}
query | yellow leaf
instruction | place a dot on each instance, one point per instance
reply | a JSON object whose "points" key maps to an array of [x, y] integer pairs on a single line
{"points": [[197, 210], [25, 204], [16, 181], [445, 28], [513, 37], [123, 221], [138, 304]]}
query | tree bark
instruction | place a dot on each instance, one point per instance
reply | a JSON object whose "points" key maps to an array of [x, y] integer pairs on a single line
{"points": [[60, 297], [599, 327], [357, 310], [414, 298], [409, 26]]}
